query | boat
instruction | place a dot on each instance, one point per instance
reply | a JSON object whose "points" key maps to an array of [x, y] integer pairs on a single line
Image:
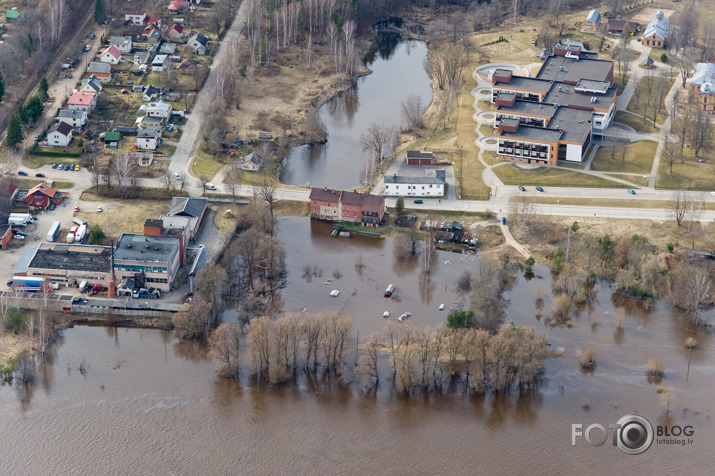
{"points": [[404, 316], [334, 293], [441, 307], [390, 289], [386, 314]]}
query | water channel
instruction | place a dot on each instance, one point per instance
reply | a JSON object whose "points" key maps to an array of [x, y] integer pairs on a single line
{"points": [[397, 71], [148, 404]]}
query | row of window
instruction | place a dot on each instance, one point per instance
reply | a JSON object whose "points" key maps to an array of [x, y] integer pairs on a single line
{"points": [[412, 187], [140, 269], [157, 280]]}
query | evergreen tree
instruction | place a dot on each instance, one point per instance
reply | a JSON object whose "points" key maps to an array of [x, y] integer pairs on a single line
{"points": [[99, 14], [22, 113], [399, 205], [14, 130], [96, 235], [34, 108], [30, 45], [44, 87], [2, 87]]}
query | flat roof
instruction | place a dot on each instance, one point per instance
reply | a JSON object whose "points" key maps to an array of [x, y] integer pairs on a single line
{"points": [[591, 85], [574, 70], [569, 97], [533, 133], [69, 256], [529, 108], [530, 84], [509, 122], [574, 123], [146, 248]]}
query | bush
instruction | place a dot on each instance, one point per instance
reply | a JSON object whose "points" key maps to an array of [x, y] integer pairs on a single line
{"points": [[14, 321], [655, 367], [96, 235], [663, 58], [588, 359], [459, 319]]}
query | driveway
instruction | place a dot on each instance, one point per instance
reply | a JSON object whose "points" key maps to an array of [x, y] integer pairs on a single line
{"points": [[210, 236]]}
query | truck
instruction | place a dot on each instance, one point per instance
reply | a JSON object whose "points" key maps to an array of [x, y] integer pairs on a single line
{"points": [[28, 283], [69, 238], [24, 216], [54, 231], [15, 221], [79, 221], [80, 234]]}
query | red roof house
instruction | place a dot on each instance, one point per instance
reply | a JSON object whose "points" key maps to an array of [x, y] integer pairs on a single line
{"points": [[42, 196]]}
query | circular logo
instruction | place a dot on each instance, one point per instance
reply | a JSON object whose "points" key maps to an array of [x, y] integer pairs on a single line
{"points": [[634, 434]]}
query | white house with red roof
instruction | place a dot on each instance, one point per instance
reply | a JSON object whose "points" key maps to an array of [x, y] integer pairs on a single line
{"points": [[176, 31], [135, 17], [111, 55], [82, 101], [178, 6]]}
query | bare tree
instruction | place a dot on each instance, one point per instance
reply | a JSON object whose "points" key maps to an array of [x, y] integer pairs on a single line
{"points": [[233, 174], [412, 111], [690, 343], [267, 193], [259, 335], [702, 131], [698, 285], [349, 34], [678, 205], [671, 154], [316, 132], [668, 400], [225, 347]]}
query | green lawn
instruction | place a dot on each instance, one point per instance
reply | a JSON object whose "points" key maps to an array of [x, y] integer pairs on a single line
{"points": [[616, 203], [205, 164], [638, 159], [687, 174], [552, 177], [36, 161], [63, 185], [635, 122]]}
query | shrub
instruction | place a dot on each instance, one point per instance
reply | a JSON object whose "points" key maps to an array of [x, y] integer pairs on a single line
{"points": [[14, 321], [588, 359], [459, 319], [655, 367]]}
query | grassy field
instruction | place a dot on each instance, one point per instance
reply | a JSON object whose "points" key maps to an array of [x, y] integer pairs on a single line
{"points": [[552, 177], [125, 216], [205, 164], [638, 180], [635, 122], [615, 203], [59, 185], [638, 159], [487, 130], [687, 173], [638, 104]]}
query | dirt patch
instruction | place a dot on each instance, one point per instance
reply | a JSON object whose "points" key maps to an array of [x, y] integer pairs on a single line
{"points": [[644, 15], [490, 238]]}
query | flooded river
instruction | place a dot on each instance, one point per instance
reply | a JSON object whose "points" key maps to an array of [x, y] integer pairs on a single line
{"points": [[149, 405], [396, 73]]}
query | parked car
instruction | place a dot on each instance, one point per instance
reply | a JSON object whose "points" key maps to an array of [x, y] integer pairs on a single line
{"points": [[40, 175], [177, 176], [76, 209], [92, 36], [54, 166], [76, 168], [87, 47], [210, 186], [99, 209], [66, 167], [631, 191], [522, 188], [170, 127], [419, 202], [37, 138], [9, 172], [19, 233], [23, 173], [52, 207], [539, 189]]}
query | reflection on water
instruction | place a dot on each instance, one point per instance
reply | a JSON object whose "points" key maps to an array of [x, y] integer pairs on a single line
{"points": [[397, 71], [149, 404]]}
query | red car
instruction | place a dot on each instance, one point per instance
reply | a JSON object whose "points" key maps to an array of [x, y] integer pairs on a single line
{"points": [[76, 209]]}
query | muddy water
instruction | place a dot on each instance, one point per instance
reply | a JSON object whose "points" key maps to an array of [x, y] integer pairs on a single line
{"points": [[147, 404], [397, 73]]}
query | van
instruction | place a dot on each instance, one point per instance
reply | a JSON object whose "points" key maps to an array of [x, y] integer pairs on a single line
{"points": [[210, 186]]}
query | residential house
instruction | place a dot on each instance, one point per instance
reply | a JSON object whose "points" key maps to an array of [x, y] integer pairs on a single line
{"points": [[159, 62], [341, 205], [192, 208], [74, 117], [618, 27], [592, 20], [176, 31], [657, 32], [70, 264], [59, 135], [148, 121], [42, 196], [150, 93], [702, 83], [112, 138], [178, 6], [111, 55], [252, 161], [416, 157], [156, 257], [149, 138], [142, 57], [170, 226], [122, 43], [198, 44], [153, 21], [167, 48], [81, 101], [102, 71], [134, 17], [146, 32], [188, 66], [5, 236], [429, 185], [91, 85], [13, 14], [156, 109]]}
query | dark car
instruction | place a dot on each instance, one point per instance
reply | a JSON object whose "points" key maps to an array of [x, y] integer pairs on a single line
{"points": [[9, 283], [52, 207], [631, 191], [67, 167], [521, 187], [22, 172], [92, 36], [539, 189], [54, 166], [419, 202], [40, 175]]}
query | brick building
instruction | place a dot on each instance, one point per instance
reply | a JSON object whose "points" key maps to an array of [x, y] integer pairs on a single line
{"points": [[341, 205]]}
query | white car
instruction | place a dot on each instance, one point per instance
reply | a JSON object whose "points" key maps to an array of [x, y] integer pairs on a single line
{"points": [[177, 176], [99, 209], [211, 186]]}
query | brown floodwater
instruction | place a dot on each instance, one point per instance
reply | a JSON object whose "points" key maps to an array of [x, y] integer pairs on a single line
{"points": [[150, 405]]}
